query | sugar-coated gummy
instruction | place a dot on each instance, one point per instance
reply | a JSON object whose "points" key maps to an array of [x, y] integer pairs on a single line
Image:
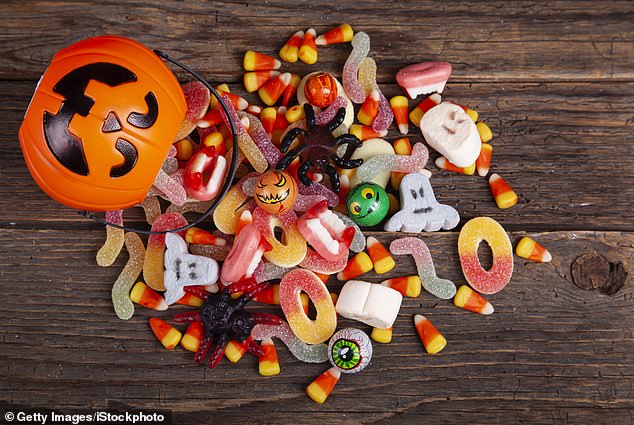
{"points": [[308, 353], [121, 302], [111, 248], [360, 50]]}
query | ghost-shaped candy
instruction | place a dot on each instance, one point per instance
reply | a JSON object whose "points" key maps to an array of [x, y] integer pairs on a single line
{"points": [[184, 269], [419, 208]]}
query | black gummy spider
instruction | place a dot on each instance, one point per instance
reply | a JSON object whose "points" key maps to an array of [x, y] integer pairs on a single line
{"points": [[319, 147], [224, 319]]}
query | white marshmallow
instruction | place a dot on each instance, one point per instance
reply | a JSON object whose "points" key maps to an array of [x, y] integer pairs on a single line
{"points": [[372, 304]]}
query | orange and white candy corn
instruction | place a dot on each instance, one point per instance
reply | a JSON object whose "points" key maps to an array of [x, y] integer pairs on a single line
{"points": [[365, 132], [444, 164], [268, 364], [433, 340], [291, 89], [235, 350], [268, 117], [399, 106], [357, 265], [254, 110], [531, 250], [370, 108], [165, 333], [290, 51], [255, 79], [485, 132], [473, 114], [217, 140], [483, 163], [191, 300], [245, 219], [384, 336], [381, 258], [270, 295], [193, 336], [213, 117], [280, 125], [271, 91], [341, 34], [254, 61], [147, 297], [470, 300], [408, 286], [502, 192], [308, 48], [320, 388], [201, 237], [417, 113]]}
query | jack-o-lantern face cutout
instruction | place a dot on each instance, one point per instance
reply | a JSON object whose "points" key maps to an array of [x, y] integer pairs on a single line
{"points": [[275, 192], [100, 123]]}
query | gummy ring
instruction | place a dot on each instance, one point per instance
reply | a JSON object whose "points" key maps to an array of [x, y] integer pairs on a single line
{"points": [[498, 276], [310, 331], [292, 250], [350, 350]]}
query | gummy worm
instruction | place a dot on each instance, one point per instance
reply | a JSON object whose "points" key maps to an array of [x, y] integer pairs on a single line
{"points": [[360, 49], [367, 80], [123, 307], [308, 353], [111, 248], [262, 140], [329, 113], [400, 163]]}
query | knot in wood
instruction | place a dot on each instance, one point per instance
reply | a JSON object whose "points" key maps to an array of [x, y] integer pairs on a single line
{"points": [[593, 271]]}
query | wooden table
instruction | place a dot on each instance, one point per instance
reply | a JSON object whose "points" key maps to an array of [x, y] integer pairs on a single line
{"points": [[555, 82]]}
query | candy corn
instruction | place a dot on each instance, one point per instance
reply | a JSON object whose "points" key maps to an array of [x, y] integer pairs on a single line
{"points": [[238, 102], [165, 333], [320, 388], [271, 91], [485, 132], [399, 107], [290, 51], [341, 34], [357, 265], [408, 286], [444, 164], [324, 277], [502, 192], [198, 236], [402, 146], [192, 338], [370, 108], [470, 300], [483, 163], [280, 125], [334, 297], [295, 113], [270, 295], [217, 140], [268, 364], [213, 117], [433, 341], [235, 350], [473, 114], [189, 299], [417, 113], [184, 149], [381, 258], [254, 110], [365, 132], [531, 250], [268, 117], [245, 219], [255, 79], [254, 61], [291, 89], [383, 336], [308, 48], [147, 297]]}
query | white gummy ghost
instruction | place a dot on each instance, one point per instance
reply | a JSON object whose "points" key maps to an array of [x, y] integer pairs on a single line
{"points": [[419, 208], [184, 269]]}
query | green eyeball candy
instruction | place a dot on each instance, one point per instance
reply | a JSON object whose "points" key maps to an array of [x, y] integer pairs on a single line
{"points": [[350, 350], [367, 204]]}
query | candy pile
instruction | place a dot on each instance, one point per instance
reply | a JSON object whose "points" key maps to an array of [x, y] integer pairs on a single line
{"points": [[309, 178]]}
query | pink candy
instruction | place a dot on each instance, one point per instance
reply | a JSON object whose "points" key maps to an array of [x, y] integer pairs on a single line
{"points": [[325, 232], [245, 255]]}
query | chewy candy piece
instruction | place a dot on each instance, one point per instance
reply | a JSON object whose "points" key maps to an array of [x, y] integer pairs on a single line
{"points": [[408, 286], [123, 307], [394, 204], [290, 50], [359, 264], [154, 255], [245, 255], [350, 350], [184, 149], [255, 79], [384, 336], [227, 213], [291, 89], [264, 272], [309, 331], [531, 250], [502, 192], [147, 297], [369, 149], [370, 303], [470, 300], [235, 350], [433, 340], [420, 211], [448, 129], [274, 89], [360, 50], [261, 139], [417, 113], [184, 269], [268, 116], [318, 264], [193, 337], [217, 140], [358, 242], [197, 98], [111, 248], [325, 232], [254, 61], [171, 188], [254, 110], [320, 388], [399, 109], [444, 164], [483, 163], [189, 206], [198, 236], [293, 250], [152, 208], [381, 258], [295, 114], [271, 295], [341, 34], [218, 253], [401, 163], [484, 131], [441, 288], [498, 276], [321, 190], [190, 300], [329, 113], [210, 119], [367, 80], [423, 78], [308, 48], [281, 125], [365, 132], [369, 108], [308, 353], [204, 174], [472, 113], [268, 364], [165, 333]]}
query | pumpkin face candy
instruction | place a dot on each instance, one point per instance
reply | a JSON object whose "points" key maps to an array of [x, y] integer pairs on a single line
{"points": [[275, 192]]}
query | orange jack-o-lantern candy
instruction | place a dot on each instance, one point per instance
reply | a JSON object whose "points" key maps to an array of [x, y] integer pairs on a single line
{"points": [[100, 123], [320, 89], [275, 192]]}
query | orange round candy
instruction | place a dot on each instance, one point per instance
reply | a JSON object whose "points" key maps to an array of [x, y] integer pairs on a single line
{"points": [[320, 89], [275, 192]]}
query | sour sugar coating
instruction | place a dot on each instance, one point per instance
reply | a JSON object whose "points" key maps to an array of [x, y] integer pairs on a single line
{"points": [[350, 350], [197, 97], [111, 248], [266, 271], [261, 139], [329, 113], [322, 386], [532, 250], [431, 338], [191, 205], [358, 242], [171, 188], [152, 208], [293, 250], [367, 80], [498, 276], [470, 300], [360, 50], [401, 163], [123, 306], [154, 256], [228, 211], [218, 253], [325, 232], [441, 288], [309, 331], [318, 264], [307, 353], [320, 189], [370, 303]]}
